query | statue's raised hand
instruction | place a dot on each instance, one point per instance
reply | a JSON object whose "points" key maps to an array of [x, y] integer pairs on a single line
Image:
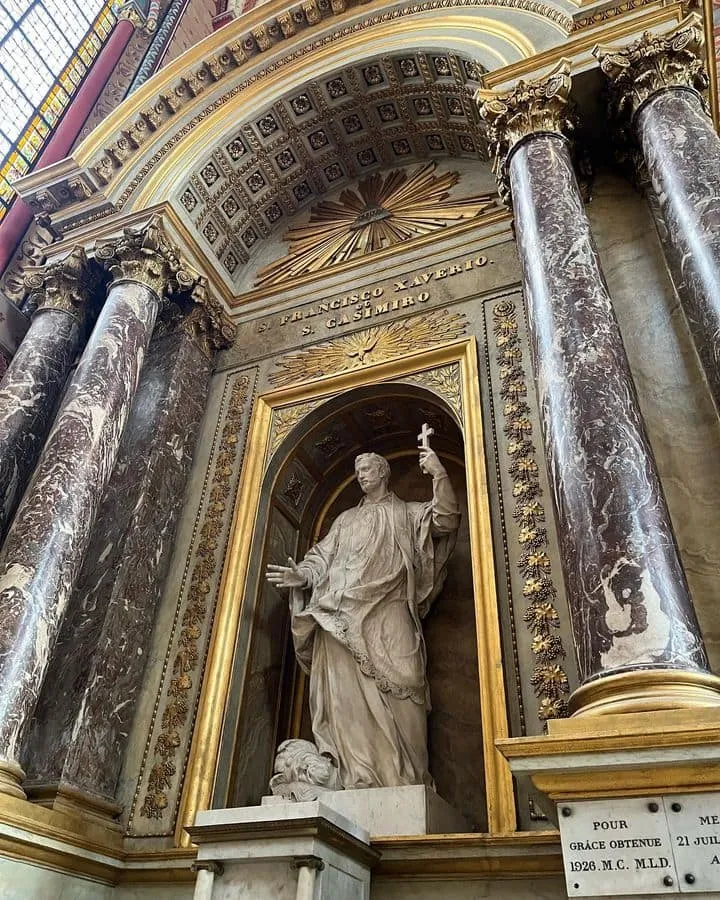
{"points": [[430, 463], [289, 576]]}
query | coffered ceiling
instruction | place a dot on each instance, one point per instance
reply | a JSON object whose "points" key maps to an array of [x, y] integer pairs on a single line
{"points": [[379, 114]]}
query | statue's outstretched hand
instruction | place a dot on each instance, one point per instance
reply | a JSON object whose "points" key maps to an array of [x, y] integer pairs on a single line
{"points": [[430, 463], [288, 576]]}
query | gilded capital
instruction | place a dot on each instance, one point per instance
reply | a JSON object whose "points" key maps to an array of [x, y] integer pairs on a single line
{"points": [[146, 255], [67, 285], [531, 107], [651, 64]]}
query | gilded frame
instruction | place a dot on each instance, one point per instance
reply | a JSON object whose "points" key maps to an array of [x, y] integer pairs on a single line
{"points": [[204, 750]]}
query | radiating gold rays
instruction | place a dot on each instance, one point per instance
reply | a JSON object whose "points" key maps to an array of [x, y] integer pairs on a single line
{"points": [[382, 212]]}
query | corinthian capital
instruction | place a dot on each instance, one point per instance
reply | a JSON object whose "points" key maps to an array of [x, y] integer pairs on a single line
{"points": [[200, 316], [531, 107], [207, 323], [148, 256], [67, 285], [651, 64]]}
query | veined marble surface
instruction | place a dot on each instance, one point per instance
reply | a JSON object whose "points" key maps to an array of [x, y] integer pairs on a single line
{"points": [[29, 393], [682, 153], [46, 543], [628, 597], [88, 700], [681, 422]]}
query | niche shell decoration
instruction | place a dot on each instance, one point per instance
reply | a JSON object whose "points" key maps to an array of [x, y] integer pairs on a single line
{"points": [[382, 212]]}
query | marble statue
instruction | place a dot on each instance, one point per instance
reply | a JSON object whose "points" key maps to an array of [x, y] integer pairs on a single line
{"points": [[357, 601]]}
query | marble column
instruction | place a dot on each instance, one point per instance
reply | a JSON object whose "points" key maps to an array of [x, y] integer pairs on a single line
{"points": [[31, 388], [76, 748], [47, 540], [636, 635], [656, 96]]}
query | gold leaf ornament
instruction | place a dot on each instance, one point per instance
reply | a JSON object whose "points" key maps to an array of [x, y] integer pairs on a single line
{"points": [[370, 346], [382, 212]]}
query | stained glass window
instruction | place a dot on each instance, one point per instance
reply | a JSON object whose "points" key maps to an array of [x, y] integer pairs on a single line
{"points": [[46, 48]]}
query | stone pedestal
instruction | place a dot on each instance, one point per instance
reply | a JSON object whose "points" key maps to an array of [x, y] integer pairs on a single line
{"points": [[285, 850], [409, 809]]}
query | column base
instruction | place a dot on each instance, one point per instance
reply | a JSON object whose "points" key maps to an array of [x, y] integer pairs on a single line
{"points": [[11, 779], [73, 801], [646, 690]]}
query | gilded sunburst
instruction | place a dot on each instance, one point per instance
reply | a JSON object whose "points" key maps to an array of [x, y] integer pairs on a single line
{"points": [[382, 212]]}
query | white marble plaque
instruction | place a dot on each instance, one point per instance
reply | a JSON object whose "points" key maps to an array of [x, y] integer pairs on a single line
{"points": [[694, 825], [617, 847]]}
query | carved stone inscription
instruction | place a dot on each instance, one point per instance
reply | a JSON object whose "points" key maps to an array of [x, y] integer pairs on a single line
{"points": [[641, 845], [694, 823], [376, 300], [616, 848]]}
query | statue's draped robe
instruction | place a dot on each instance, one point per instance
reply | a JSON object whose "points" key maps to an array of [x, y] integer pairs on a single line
{"points": [[373, 578]]}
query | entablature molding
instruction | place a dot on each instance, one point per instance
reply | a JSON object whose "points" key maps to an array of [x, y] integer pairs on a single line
{"points": [[116, 165]]}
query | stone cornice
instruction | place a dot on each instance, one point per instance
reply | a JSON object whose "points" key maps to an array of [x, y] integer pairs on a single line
{"points": [[67, 285], [652, 64], [531, 107]]}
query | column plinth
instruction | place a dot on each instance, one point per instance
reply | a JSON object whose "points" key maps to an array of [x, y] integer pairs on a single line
{"points": [[629, 602], [37, 373], [657, 97], [48, 538]]}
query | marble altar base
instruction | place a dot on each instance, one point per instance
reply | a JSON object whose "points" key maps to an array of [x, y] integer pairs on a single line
{"points": [[393, 811], [284, 850]]}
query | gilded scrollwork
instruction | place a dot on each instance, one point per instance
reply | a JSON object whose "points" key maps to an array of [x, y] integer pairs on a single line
{"points": [[444, 381], [549, 679], [370, 346], [285, 418]]}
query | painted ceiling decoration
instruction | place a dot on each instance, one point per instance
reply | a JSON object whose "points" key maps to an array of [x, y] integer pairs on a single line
{"points": [[381, 212], [378, 114]]}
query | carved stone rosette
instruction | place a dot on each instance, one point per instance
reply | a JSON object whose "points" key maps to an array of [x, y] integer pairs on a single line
{"points": [[531, 107], [652, 64], [147, 256]]}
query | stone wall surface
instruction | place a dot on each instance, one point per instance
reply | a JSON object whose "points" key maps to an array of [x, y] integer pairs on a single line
{"points": [[195, 24]]}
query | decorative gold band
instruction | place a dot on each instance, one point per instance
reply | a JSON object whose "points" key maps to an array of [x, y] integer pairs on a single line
{"points": [[646, 690]]}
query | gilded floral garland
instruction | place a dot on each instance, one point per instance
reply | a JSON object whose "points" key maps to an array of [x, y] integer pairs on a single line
{"points": [[549, 679]]}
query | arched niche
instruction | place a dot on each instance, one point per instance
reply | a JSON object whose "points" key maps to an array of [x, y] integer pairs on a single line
{"points": [[308, 482]]}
